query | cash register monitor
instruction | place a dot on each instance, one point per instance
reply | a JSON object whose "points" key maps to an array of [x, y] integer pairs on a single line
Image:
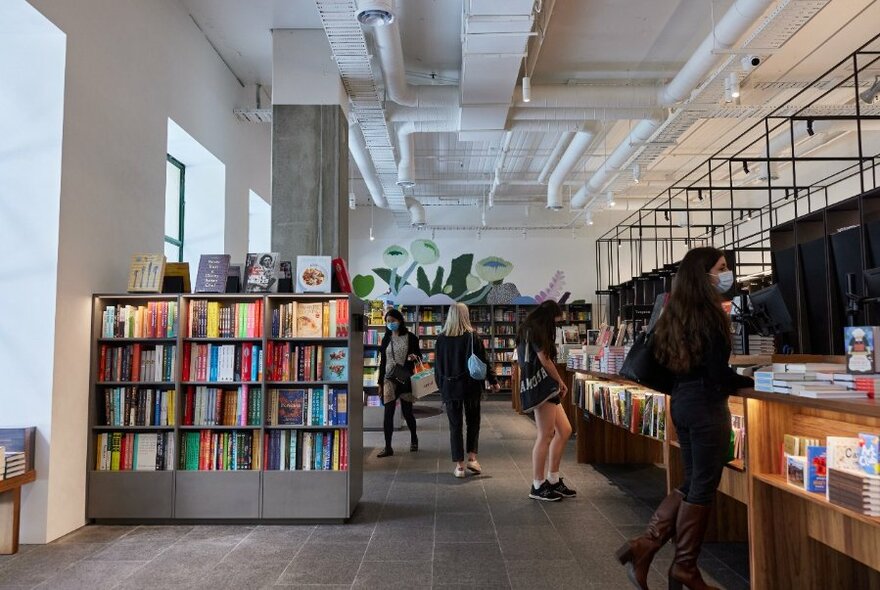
{"points": [[769, 315]]}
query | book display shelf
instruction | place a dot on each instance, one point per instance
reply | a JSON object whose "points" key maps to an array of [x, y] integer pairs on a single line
{"points": [[795, 537], [225, 407]]}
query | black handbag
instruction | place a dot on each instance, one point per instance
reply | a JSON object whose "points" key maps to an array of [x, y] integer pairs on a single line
{"points": [[400, 375], [535, 384], [642, 366]]}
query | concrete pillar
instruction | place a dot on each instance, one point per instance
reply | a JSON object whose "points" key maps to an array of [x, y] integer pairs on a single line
{"points": [[309, 181], [309, 147]]}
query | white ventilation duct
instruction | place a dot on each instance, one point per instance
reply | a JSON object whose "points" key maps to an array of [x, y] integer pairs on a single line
{"points": [[561, 146], [575, 151], [615, 161], [417, 216], [735, 22], [358, 149], [727, 31], [565, 96]]}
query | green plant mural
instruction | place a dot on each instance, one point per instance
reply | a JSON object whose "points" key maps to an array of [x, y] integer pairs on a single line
{"points": [[464, 280]]}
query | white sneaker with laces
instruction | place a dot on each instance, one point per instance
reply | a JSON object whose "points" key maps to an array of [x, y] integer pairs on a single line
{"points": [[458, 472], [474, 466]]}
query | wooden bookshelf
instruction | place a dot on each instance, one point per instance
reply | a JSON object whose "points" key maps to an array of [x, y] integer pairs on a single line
{"points": [[255, 494]]}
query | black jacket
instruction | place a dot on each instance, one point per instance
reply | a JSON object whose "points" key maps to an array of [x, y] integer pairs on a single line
{"points": [[413, 348], [715, 371], [451, 371]]}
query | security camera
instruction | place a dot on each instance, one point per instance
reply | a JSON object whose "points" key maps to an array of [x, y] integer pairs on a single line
{"points": [[750, 62]]}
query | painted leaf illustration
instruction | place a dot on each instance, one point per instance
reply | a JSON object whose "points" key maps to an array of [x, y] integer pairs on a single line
{"points": [[390, 276], [476, 297], [437, 286], [422, 281], [554, 290], [456, 284], [363, 285]]}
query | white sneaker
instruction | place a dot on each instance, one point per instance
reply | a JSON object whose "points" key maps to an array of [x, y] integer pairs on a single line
{"points": [[474, 466], [458, 472]]}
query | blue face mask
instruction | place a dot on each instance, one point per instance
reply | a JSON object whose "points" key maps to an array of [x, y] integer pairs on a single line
{"points": [[393, 326]]}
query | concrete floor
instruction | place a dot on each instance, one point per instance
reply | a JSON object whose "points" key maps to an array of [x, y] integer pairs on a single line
{"points": [[416, 527]]}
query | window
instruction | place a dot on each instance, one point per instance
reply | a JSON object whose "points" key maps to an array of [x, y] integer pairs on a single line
{"points": [[174, 205], [259, 224]]}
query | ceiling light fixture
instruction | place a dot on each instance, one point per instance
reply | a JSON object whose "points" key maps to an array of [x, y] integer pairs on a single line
{"points": [[745, 167], [619, 244], [589, 218], [666, 215], [870, 95], [734, 85], [748, 215], [372, 208], [728, 95], [609, 196], [526, 89], [372, 237], [810, 131], [637, 172], [484, 218], [700, 195], [375, 13]]}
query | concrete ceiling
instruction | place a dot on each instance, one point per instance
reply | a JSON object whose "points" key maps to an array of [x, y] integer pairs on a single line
{"points": [[586, 42]]}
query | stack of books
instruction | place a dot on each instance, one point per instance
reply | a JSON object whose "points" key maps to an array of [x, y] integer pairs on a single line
{"points": [[15, 464], [814, 380], [855, 490]]}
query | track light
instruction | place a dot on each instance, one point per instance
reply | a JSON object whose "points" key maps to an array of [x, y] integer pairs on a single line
{"points": [[745, 167], [810, 131], [666, 215], [748, 215], [483, 218], [375, 13], [610, 198], [700, 195], [372, 237], [589, 218], [734, 85], [637, 172], [526, 89], [870, 95], [619, 244]]}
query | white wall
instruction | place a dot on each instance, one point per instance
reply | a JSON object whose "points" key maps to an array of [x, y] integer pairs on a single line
{"points": [[130, 66], [31, 106]]}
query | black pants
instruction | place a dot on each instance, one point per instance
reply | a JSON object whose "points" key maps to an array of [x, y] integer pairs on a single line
{"points": [[407, 409], [471, 408], [702, 420]]}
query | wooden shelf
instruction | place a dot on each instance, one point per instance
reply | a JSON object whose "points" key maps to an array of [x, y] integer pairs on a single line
{"points": [[780, 482], [135, 383], [221, 383], [17, 481], [304, 383], [132, 428], [307, 427], [309, 339], [136, 340], [860, 407], [220, 427], [225, 340]]}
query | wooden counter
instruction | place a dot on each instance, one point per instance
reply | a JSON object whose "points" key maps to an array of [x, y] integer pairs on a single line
{"points": [[10, 510]]}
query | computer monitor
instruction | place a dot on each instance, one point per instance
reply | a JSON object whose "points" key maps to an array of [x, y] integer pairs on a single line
{"points": [[769, 315], [872, 282]]}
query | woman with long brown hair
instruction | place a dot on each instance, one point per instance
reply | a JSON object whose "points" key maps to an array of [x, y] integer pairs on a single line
{"points": [[692, 339], [537, 336]]}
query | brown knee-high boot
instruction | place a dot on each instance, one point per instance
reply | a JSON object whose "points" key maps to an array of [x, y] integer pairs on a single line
{"points": [[638, 553], [689, 530]]}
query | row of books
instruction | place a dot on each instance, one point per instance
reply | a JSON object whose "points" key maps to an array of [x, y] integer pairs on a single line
{"points": [[502, 357], [12, 463], [156, 319], [313, 319], [137, 363], [431, 315], [133, 406], [814, 380], [210, 450], [212, 406], [292, 362], [503, 343], [605, 359], [737, 437], [480, 315], [308, 407], [371, 376], [638, 410], [504, 330], [432, 330], [142, 451], [504, 315], [373, 336], [845, 469], [290, 450], [503, 370], [223, 362], [216, 319]]}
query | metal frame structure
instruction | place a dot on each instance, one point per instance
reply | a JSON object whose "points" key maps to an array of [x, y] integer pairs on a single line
{"points": [[711, 214]]}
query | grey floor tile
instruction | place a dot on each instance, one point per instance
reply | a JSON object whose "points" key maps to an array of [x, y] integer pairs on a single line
{"points": [[96, 534], [87, 575], [230, 575], [400, 574], [532, 542], [521, 513], [456, 527], [547, 573], [45, 562], [130, 550], [332, 549], [327, 570], [489, 574]]}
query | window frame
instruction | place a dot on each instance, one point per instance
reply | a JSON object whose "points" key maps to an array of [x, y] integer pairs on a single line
{"points": [[181, 193]]}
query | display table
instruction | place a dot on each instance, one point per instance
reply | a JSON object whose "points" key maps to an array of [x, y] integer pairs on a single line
{"points": [[10, 510]]}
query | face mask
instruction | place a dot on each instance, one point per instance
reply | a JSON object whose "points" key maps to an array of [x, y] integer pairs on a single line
{"points": [[393, 326], [725, 281]]}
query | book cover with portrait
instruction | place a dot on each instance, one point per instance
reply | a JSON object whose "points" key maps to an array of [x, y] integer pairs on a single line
{"points": [[261, 270]]}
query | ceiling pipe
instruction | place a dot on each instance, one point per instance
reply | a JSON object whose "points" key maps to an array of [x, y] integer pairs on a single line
{"points": [[573, 153], [596, 96], [585, 114], [417, 216], [358, 149], [727, 31], [561, 145]]}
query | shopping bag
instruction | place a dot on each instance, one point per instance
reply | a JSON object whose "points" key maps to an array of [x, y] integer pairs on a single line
{"points": [[423, 381], [536, 385], [642, 366]]}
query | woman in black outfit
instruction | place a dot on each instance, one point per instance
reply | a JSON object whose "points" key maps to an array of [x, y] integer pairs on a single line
{"points": [[692, 339], [399, 347], [460, 392]]}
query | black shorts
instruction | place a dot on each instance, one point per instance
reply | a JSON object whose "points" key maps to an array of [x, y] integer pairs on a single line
{"points": [[554, 400]]}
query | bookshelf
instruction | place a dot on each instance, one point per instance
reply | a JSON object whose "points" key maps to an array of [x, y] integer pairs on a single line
{"points": [[204, 411]]}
